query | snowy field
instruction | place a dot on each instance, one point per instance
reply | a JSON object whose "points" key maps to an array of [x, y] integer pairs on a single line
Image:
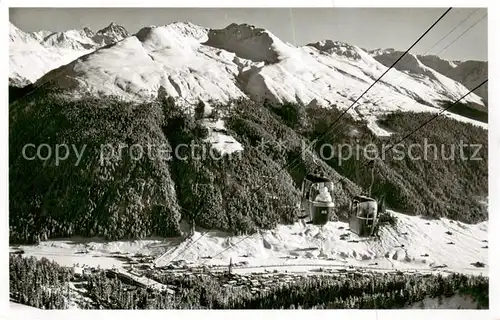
{"points": [[415, 244]]}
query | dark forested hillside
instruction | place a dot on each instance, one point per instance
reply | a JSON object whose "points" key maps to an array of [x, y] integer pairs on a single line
{"points": [[126, 197], [426, 173]]}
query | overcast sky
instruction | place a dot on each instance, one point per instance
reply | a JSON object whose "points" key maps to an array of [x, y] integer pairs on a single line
{"points": [[368, 28]]}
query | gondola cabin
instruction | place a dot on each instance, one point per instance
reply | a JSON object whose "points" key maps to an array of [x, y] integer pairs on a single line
{"points": [[363, 216], [317, 199]]}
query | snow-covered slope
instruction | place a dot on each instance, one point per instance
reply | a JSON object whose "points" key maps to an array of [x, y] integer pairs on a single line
{"points": [[415, 244], [34, 54], [468, 73], [249, 42], [157, 60], [21, 307], [440, 84], [380, 51], [220, 140], [441, 65], [471, 74], [193, 63]]}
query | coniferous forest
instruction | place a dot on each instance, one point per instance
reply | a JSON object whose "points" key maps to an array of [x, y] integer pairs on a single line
{"points": [[44, 284], [123, 198]]}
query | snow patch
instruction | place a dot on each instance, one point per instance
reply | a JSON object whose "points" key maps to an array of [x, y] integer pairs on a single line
{"points": [[454, 302], [21, 307], [220, 140]]}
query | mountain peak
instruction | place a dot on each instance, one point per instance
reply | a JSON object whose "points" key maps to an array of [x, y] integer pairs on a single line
{"points": [[113, 28], [249, 42], [48, 50], [409, 62], [336, 47], [110, 34], [17, 35], [185, 23], [188, 29]]}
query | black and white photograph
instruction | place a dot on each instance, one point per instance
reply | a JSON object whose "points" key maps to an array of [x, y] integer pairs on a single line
{"points": [[248, 158]]}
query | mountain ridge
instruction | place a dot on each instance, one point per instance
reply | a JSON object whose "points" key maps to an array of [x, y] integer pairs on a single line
{"points": [[193, 63], [32, 54], [468, 72]]}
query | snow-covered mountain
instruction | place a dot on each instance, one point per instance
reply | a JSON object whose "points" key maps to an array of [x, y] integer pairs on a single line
{"points": [[190, 63], [34, 54], [110, 34], [470, 73], [441, 65], [380, 51], [411, 65]]}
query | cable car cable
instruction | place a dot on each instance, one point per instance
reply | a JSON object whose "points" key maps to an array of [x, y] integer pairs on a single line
{"points": [[422, 125], [388, 69], [345, 111], [439, 41], [453, 29], [370, 161], [465, 31], [323, 134]]}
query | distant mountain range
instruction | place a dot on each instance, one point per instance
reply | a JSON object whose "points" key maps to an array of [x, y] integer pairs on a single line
{"points": [[36, 53], [192, 63]]}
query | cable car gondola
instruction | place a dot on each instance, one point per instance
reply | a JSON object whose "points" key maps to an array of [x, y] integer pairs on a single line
{"points": [[365, 211], [363, 216], [317, 199]]}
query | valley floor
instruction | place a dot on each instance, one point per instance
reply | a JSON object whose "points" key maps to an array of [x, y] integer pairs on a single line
{"points": [[415, 244]]}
